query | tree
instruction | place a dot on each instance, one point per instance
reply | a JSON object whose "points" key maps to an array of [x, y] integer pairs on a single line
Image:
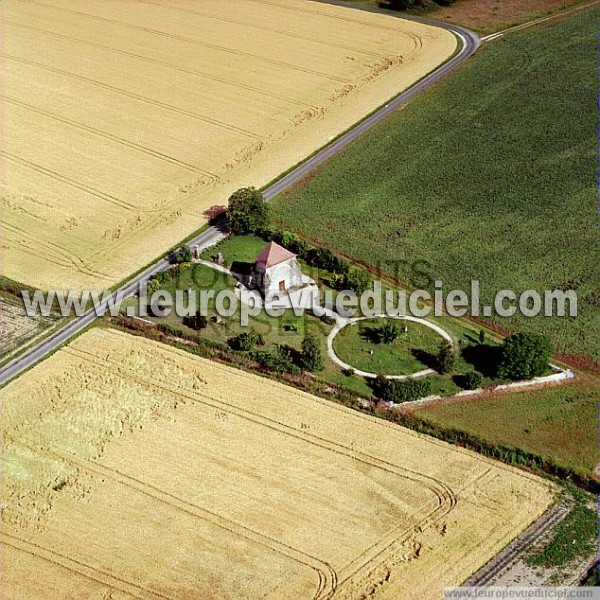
{"points": [[524, 355], [447, 357], [247, 212], [357, 281], [388, 333], [481, 336], [311, 356]]}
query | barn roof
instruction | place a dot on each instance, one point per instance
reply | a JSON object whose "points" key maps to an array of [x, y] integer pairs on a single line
{"points": [[274, 254]]}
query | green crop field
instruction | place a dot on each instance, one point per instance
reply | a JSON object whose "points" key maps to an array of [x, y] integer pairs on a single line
{"points": [[559, 422], [489, 176]]}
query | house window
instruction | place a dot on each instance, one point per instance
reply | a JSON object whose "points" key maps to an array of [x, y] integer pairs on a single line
{"points": [[282, 286]]}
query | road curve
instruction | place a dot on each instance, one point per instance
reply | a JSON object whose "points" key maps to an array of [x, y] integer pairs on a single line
{"points": [[470, 42]]}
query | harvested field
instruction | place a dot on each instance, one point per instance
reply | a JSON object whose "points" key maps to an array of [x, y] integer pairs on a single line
{"points": [[16, 328], [124, 122], [132, 469]]}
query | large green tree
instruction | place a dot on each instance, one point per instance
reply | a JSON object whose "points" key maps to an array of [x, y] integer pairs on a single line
{"points": [[524, 355], [247, 211]]}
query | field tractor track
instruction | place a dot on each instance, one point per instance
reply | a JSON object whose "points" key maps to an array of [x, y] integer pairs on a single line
{"points": [[128, 94], [73, 260], [327, 575], [67, 180], [80, 568], [155, 61], [329, 15], [110, 136], [261, 28], [197, 42], [446, 499]]}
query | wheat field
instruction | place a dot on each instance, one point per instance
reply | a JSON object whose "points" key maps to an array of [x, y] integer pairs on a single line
{"points": [[135, 470], [126, 121]]}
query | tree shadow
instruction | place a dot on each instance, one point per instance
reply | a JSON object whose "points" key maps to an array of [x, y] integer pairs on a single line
{"points": [[427, 358], [484, 358], [242, 271], [370, 334], [214, 213]]}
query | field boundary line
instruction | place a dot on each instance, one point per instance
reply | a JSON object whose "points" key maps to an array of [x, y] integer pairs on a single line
{"points": [[539, 21]]}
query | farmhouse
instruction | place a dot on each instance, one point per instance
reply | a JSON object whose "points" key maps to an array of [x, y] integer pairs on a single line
{"points": [[276, 270]]}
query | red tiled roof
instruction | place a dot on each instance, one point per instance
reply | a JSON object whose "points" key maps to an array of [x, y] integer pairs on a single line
{"points": [[274, 254]]}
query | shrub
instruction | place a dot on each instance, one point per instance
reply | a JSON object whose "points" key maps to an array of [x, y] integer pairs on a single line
{"points": [[524, 355], [400, 390], [183, 254], [323, 258], [358, 281], [196, 321], [447, 357], [246, 341], [247, 212], [279, 360], [387, 333], [471, 380], [294, 243]]}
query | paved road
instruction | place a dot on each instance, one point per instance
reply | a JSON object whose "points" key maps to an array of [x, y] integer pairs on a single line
{"points": [[209, 237]]}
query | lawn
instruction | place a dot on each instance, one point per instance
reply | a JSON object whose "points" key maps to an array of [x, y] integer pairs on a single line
{"points": [[414, 349], [489, 176], [558, 422]]}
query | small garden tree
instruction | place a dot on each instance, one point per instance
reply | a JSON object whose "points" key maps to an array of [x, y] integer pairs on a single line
{"points": [[447, 357], [247, 212], [524, 355], [311, 357]]}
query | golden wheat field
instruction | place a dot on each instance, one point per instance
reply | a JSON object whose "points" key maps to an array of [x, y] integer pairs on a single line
{"points": [[135, 470], [126, 121]]}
